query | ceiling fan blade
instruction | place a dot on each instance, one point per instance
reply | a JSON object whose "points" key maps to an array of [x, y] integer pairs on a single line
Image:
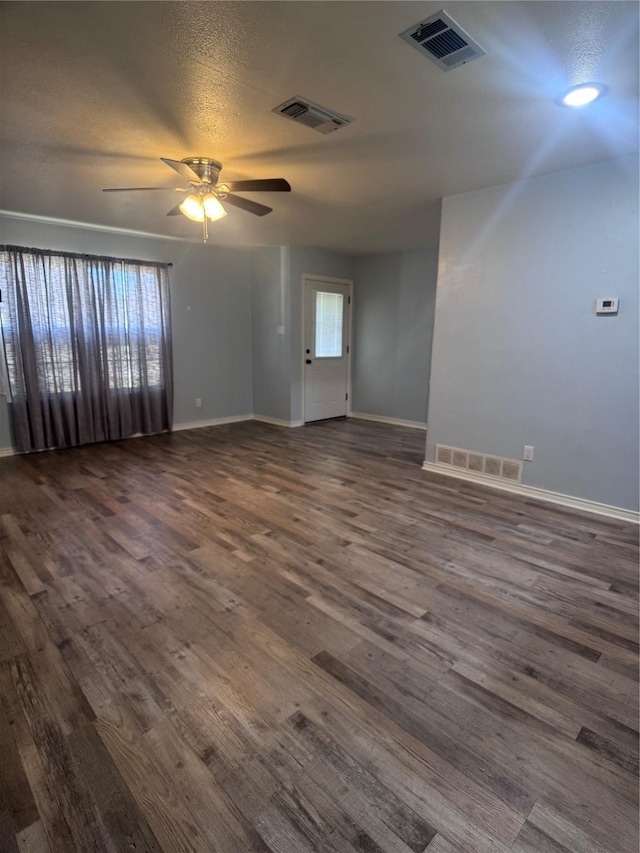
{"points": [[142, 189], [182, 169], [262, 185], [247, 204], [175, 210]]}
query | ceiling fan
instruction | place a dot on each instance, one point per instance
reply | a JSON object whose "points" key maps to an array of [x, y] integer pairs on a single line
{"points": [[205, 193]]}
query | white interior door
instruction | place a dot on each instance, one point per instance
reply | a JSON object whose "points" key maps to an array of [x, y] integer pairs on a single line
{"points": [[326, 349]]}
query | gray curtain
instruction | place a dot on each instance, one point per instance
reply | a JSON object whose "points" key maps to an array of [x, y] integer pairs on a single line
{"points": [[87, 347]]}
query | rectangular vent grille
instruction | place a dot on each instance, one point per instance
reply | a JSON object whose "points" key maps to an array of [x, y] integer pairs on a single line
{"points": [[481, 463], [445, 43], [295, 109], [442, 40], [311, 115], [444, 455], [492, 466], [511, 470], [476, 462], [460, 458]]}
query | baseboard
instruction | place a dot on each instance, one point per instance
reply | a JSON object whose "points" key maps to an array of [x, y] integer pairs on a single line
{"points": [[233, 419], [393, 421], [265, 419], [536, 493]]}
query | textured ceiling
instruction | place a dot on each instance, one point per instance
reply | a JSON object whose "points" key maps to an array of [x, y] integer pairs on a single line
{"points": [[93, 93]]}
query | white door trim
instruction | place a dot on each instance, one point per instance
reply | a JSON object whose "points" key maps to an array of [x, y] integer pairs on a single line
{"points": [[349, 282]]}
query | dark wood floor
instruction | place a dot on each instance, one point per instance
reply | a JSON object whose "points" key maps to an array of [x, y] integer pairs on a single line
{"points": [[247, 638]]}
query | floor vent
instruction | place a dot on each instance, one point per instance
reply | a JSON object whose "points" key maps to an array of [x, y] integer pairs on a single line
{"points": [[443, 41], [480, 463], [311, 115]]}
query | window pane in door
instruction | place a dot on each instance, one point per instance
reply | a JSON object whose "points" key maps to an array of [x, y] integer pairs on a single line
{"points": [[328, 325]]}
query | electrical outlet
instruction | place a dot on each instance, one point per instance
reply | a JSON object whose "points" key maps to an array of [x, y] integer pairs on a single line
{"points": [[198, 402], [527, 454]]}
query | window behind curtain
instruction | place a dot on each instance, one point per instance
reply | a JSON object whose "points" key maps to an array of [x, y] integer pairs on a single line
{"points": [[87, 344]]}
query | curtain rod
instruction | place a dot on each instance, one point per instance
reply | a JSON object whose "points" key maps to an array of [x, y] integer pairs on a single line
{"points": [[36, 251]]}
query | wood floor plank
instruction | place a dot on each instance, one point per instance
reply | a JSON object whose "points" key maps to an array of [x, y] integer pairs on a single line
{"points": [[441, 845], [247, 638], [534, 840], [407, 713], [565, 672], [157, 797], [11, 643], [50, 731], [33, 762], [16, 797], [121, 823], [222, 823], [44, 765], [362, 809], [20, 555], [505, 689], [612, 751], [33, 839], [476, 821], [549, 820]]}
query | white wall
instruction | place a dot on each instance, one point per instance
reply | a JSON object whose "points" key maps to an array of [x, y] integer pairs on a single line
{"points": [[519, 356], [394, 307], [210, 310]]}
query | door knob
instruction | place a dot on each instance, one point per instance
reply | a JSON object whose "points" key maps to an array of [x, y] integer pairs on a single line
{"points": [[308, 361]]}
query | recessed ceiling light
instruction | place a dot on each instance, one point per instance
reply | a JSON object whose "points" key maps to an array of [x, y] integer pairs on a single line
{"points": [[581, 95]]}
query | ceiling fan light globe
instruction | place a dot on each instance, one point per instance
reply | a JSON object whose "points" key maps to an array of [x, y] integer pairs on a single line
{"points": [[583, 94], [192, 208], [213, 209]]}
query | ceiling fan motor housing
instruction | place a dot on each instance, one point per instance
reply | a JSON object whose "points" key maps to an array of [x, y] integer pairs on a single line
{"points": [[206, 169]]}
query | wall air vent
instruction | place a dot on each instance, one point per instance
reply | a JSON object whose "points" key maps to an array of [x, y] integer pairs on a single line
{"points": [[311, 115], [443, 41], [480, 463]]}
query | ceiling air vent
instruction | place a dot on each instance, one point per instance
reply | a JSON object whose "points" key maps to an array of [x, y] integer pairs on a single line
{"points": [[311, 115], [443, 41]]}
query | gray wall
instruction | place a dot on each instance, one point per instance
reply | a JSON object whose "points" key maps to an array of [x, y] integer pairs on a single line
{"points": [[519, 355], [314, 262], [394, 306], [269, 310], [210, 307], [226, 306]]}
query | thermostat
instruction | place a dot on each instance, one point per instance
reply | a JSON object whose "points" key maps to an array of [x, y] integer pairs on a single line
{"points": [[607, 306]]}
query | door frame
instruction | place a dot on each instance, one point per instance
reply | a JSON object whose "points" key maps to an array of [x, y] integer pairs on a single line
{"points": [[349, 282]]}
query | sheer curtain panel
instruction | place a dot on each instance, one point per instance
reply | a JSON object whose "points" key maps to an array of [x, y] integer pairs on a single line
{"points": [[87, 347]]}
